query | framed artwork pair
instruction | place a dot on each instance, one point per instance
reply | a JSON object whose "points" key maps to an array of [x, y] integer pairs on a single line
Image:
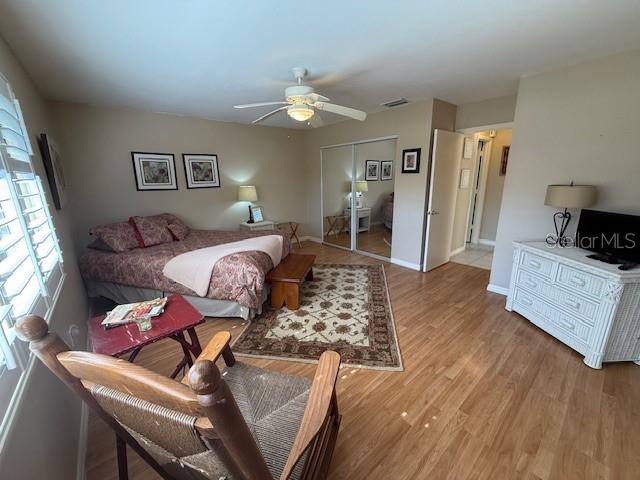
{"points": [[157, 171], [378, 170]]}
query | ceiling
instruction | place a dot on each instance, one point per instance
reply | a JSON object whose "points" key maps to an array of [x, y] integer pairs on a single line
{"points": [[200, 57]]}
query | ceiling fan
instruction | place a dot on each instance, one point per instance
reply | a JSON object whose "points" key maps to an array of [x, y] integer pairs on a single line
{"points": [[301, 103]]}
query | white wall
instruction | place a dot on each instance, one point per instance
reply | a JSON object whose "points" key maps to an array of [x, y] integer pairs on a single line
{"points": [[486, 112], [98, 142], [44, 442], [495, 186], [579, 123]]}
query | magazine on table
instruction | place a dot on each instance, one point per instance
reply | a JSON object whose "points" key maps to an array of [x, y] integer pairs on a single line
{"points": [[130, 312]]}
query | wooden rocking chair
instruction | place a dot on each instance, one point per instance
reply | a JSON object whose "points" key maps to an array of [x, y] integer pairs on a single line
{"points": [[243, 423]]}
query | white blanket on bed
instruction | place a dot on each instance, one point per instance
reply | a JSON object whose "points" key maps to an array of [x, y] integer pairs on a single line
{"points": [[194, 269]]}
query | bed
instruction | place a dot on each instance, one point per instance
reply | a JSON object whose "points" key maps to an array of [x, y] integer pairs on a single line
{"points": [[237, 287]]}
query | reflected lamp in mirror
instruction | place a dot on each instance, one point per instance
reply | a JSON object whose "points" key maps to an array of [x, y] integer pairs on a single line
{"points": [[361, 187], [567, 197], [248, 193]]}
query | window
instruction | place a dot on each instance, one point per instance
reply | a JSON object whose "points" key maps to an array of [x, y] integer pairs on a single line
{"points": [[31, 273]]}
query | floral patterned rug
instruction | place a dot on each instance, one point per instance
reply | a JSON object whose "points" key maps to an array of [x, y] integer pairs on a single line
{"points": [[345, 308]]}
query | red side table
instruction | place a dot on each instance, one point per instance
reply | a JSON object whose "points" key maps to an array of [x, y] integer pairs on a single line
{"points": [[178, 316]]}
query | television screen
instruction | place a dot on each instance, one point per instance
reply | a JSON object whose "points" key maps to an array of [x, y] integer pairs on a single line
{"points": [[613, 234]]}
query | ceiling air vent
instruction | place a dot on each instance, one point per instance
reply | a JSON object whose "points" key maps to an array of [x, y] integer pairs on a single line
{"points": [[395, 103]]}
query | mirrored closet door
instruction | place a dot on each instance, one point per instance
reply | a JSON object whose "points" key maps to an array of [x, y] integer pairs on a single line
{"points": [[337, 174], [375, 172], [357, 195]]}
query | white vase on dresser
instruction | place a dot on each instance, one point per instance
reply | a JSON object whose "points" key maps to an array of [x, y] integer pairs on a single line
{"points": [[591, 306]]}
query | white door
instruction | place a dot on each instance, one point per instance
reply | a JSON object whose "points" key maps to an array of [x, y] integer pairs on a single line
{"points": [[443, 189]]}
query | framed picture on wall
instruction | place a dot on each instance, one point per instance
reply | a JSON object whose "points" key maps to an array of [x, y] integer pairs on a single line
{"points": [[504, 160], [201, 171], [386, 170], [154, 171], [411, 160], [54, 170], [372, 170]]}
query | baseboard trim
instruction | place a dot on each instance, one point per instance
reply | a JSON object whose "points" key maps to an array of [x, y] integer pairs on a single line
{"points": [[458, 250], [403, 263], [489, 243], [496, 289], [81, 469], [308, 238]]}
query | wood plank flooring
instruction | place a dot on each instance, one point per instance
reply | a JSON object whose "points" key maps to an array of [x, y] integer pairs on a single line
{"points": [[484, 395], [377, 240]]}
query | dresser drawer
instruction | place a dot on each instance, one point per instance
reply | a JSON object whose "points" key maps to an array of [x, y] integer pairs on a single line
{"points": [[573, 303], [557, 318], [536, 263], [580, 281]]}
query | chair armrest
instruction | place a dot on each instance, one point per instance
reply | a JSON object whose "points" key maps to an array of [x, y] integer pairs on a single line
{"points": [[218, 345], [315, 413]]}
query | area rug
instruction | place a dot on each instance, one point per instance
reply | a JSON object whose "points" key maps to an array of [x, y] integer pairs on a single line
{"points": [[345, 308]]}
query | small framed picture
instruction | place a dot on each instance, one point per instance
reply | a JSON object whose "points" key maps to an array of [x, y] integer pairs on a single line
{"points": [[201, 171], [372, 170], [386, 170], [54, 169], [154, 171], [257, 214], [411, 160], [505, 160]]}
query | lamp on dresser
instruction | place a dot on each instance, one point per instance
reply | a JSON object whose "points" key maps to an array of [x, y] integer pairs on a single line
{"points": [[566, 196], [248, 193]]}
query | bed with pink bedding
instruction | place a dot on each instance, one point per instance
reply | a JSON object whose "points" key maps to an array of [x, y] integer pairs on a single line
{"points": [[239, 277]]}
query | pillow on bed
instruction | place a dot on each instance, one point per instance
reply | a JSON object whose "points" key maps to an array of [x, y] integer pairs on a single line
{"points": [[119, 237], [151, 230], [178, 230]]}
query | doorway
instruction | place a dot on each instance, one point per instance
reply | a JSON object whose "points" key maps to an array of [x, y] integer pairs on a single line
{"points": [[357, 196], [478, 202]]}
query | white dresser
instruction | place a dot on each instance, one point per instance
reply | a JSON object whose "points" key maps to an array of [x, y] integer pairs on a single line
{"points": [[589, 305]]}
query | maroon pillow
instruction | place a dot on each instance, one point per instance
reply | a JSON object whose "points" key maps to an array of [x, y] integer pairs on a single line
{"points": [[178, 230], [151, 230], [120, 236]]}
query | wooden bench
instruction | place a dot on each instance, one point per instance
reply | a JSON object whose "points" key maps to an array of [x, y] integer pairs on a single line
{"points": [[287, 277]]}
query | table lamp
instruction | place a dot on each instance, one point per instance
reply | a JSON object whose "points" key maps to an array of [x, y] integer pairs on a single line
{"points": [[361, 186], [567, 196], [248, 193]]}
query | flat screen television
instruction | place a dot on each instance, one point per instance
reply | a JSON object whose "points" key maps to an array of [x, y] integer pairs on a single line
{"points": [[615, 237]]}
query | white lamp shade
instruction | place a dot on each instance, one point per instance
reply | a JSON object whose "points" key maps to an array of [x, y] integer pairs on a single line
{"points": [[362, 186], [570, 196], [247, 193]]}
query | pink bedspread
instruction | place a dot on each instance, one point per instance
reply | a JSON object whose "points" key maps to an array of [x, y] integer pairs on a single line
{"points": [[239, 277]]}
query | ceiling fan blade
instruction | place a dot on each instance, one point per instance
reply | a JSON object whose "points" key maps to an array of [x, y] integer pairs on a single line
{"points": [[267, 115], [261, 104], [316, 121], [340, 110], [316, 97]]}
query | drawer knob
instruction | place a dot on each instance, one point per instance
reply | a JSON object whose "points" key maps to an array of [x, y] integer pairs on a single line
{"points": [[578, 281], [572, 303], [531, 283], [526, 301], [567, 325], [534, 264]]}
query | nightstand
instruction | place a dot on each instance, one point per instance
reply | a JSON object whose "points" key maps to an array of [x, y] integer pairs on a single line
{"points": [[264, 225], [364, 218]]}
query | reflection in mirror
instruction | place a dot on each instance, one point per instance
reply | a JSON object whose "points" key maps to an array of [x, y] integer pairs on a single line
{"points": [[375, 172], [337, 170]]}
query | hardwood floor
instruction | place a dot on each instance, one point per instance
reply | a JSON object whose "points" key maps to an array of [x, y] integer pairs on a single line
{"points": [[484, 395], [377, 240]]}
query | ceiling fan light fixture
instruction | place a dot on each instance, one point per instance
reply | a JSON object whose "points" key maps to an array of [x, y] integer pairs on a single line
{"points": [[300, 112]]}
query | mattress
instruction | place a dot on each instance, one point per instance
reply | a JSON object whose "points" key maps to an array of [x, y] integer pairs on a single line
{"points": [[239, 277]]}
